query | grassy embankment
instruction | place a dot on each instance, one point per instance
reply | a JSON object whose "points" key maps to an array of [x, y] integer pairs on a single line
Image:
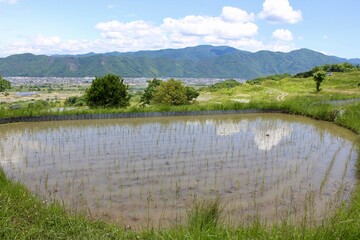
{"points": [[23, 215]]}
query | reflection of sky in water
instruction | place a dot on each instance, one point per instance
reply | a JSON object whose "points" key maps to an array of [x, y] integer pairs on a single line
{"points": [[200, 154], [267, 138], [228, 128], [10, 159]]}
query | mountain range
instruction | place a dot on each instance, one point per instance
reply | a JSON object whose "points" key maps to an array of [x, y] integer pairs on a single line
{"points": [[193, 62]]}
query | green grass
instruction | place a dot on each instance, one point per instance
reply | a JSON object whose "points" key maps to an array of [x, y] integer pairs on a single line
{"points": [[25, 216]]}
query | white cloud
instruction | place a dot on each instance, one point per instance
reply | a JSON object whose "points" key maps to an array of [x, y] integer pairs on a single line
{"points": [[279, 11], [233, 23], [282, 35], [279, 46], [136, 35], [232, 14], [282, 41], [234, 27]]}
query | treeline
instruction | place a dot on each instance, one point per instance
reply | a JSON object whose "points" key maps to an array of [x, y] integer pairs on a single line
{"points": [[327, 68], [229, 83], [275, 77], [110, 91], [340, 67]]}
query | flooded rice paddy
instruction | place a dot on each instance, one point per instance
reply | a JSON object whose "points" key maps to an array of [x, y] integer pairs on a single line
{"points": [[271, 167]]}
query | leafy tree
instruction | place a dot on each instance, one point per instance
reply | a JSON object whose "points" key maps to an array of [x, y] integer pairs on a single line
{"points": [[4, 84], [191, 93], [108, 91], [319, 76], [171, 92], [148, 94]]}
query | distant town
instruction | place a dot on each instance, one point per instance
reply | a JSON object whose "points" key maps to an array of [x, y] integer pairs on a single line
{"points": [[18, 81]]}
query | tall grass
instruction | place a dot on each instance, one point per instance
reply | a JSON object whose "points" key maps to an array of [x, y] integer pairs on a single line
{"points": [[204, 215]]}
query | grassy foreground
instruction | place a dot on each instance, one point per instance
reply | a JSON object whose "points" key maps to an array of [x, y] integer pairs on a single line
{"points": [[25, 216]]}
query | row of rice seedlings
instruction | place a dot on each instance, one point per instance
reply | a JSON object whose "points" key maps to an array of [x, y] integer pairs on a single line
{"points": [[151, 170]]}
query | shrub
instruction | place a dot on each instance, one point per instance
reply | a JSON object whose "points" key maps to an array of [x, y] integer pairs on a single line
{"points": [[4, 84], [148, 94], [173, 92], [75, 101], [108, 91]]}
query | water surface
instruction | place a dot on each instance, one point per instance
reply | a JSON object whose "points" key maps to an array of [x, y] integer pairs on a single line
{"points": [[135, 171]]}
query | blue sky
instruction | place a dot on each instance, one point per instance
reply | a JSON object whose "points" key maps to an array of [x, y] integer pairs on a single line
{"points": [[81, 26]]}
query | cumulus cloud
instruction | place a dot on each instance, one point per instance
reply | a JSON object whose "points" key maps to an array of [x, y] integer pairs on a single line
{"points": [[233, 23], [134, 35], [232, 27], [279, 11], [279, 46], [232, 14], [282, 35], [282, 41]]}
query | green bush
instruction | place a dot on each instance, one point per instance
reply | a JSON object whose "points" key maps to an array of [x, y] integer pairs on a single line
{"points": [[173, 92], [150, 90], [108, 92], [75, 101], [38, 105], [4, 84]]}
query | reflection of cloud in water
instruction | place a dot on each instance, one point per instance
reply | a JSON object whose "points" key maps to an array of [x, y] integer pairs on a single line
{"points": [[267, 138], [11, 155], [193, 123], [10, 159], [228, 128]]}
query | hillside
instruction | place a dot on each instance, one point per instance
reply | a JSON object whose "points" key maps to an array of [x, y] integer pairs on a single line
{"points": [[200, 61]]}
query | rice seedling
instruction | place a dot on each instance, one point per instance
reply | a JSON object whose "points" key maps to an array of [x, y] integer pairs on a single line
{"points": [[145, 171]]}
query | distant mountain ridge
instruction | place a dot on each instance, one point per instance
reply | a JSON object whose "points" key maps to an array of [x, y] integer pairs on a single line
{"points": [[201, 61]]}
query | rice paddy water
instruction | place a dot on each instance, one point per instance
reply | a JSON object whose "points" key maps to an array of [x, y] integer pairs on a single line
{"points": [[270, 167]]}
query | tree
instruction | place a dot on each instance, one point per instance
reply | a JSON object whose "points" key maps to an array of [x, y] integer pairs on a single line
{"points": [[171, 92], [191, 93], [149, 91], [319, 76], [4, 84], [108, 91]]}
